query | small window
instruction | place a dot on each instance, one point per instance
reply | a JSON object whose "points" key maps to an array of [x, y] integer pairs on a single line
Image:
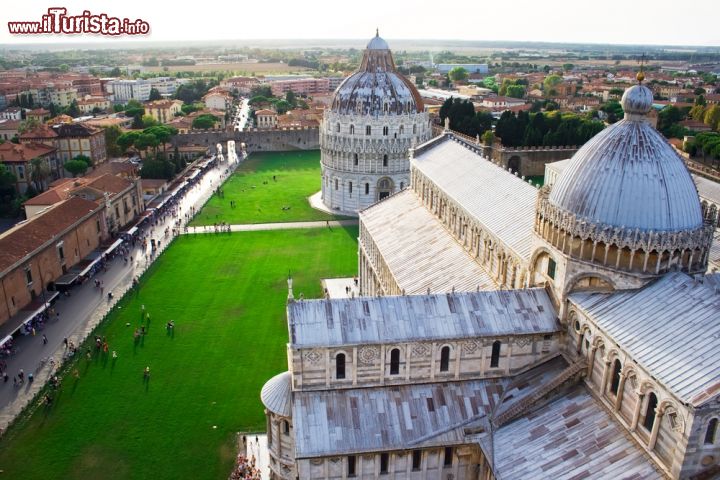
{"points": [[577, 326], [336, 184], [13, 300], [385, 131], [394, 361], [650, 412], [402, 129], [384, 458], [355, 159], [352, 129], [368, 130], [351, 465], [385, 160], [495, 357], [61, 253], [445, 359], [448, 459], [340, 366], [367, 189], [286, 427], [28, 275], [402, 185], [615, 381], [711, 431], [97, 224], [551, 268], [337, 128], [350, 187], [21, 173], [414, 129], [417, 459]]}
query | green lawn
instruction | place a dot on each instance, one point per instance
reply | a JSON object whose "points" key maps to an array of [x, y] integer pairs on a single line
{"points": [[260, 199], [226, 293]]}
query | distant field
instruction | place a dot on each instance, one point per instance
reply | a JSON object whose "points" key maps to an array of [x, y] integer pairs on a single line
{"points": [[238, 67], [260, 199]]}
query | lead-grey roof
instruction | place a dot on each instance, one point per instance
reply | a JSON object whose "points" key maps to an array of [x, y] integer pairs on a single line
{"points": [[337, 422], [367, 320], [418, 250], [670, 327], [276, 394], [629, 176], [502, 202], [570, 438]]}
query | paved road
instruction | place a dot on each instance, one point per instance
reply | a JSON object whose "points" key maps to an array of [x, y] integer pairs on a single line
{"points": [[81, 312], [254, 227]]}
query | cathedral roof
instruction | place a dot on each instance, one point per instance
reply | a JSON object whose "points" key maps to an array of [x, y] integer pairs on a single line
{"points": [[376, 88], [502, 202], [276, 394], [389, 319], [629, 176], [682, 355], [420, 253]]}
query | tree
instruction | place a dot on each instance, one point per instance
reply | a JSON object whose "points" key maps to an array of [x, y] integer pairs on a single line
{"points": [[697, 113], [76, 167], [28, 125], [550, 82], [137, 123], [8, 193], [458, 74], [73, 110], [115, 72], [162, 133], [145, 141], [126, 140], [157, 169], [515, 91], [84, 158], [568, 66], [613, 109], [204, 121], [155, 94], [112, 133], [134, 111], [148, 121], [39, 173], [261, 91], [282, 106], [488, 138], [291, 99], [668, 117], [700, 101], [712, 117], [699, 91], [188, 108]]}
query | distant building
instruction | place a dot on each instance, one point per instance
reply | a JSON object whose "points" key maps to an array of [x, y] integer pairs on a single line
{"points": [[39, 114], [71, 140], [163, 111], [124, 90], [8, 129], [502, 102], [470, 67], [91, 104], [17, 159], [218, 99], [241, 85], [302, 86], [12, 113], [266, 119]]}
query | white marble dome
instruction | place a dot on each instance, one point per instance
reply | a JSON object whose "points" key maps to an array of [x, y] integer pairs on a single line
{"points": [[376, 88], [629, 176], [276, 394]]}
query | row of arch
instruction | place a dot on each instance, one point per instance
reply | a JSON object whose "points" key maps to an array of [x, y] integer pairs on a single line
{"points": [[633, 396], [369, 129], [506, 269], [395, 360]]}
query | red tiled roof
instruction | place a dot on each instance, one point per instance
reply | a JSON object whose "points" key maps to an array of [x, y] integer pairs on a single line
{"points": [[17, 243], [23, 153], [41, 131], [110, 183]]}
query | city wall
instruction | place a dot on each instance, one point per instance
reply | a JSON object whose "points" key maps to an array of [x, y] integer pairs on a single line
{"points": [[255, 140]]}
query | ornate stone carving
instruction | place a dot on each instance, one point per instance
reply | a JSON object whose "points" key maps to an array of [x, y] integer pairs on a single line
{"points": [[313, 356], [420, 350], [523, 341], [470, 346], [368, 355], [316, 461]]}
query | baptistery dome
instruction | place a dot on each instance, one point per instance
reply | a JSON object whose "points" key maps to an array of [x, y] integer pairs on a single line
{"points": [[629, 176], [377, 88], [375, 117]]}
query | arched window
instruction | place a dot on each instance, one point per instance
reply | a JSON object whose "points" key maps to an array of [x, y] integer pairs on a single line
{"points": [[650, 411], [337, 128], [350, 187], [355, 159], [394, 361], [340, 366], [551, 268], [385, 160], [286, 427], [402, 129], [445, 359], [710, 432], [402, 185], [352, 129], [414, 129], [495, 357], [368, 130], [367, 189], [336, 184], [615, 381], [386, 130]]}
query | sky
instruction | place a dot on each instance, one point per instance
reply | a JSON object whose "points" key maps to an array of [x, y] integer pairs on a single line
{"points": [[577, 21]]}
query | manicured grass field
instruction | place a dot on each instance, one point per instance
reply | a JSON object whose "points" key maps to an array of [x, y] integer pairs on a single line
{"points": [[226, 294], [260, 199]]}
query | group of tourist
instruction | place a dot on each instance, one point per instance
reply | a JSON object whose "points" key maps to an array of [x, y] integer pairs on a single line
{"points": [[245, 469]]}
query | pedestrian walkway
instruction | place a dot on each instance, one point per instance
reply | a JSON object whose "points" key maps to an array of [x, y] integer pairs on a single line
{"points": [[85, 309], [255, 227]]}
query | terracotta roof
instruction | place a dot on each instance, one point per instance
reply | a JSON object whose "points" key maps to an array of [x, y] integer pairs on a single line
{"points": [[38, 111], [110, 183], [76, 130], [10, 124], [41, 131], [265, 112], [17, 243], [162, 103], [49, 197], [23, 153]]}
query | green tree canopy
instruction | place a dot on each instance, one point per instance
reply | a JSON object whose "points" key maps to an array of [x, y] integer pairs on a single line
{"points": [[154, 94], [84, 158], [458, 74], [127, 140], [204, 121], [149, 121], [76, 167], [112, 133], [39, 173]]}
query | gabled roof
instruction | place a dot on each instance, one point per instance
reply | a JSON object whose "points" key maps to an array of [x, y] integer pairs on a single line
{"points": [[389, 319], [23, 153], [110, 183], [686, 361], [418, 250], [337, 422], [503, 203], [41, 131], [18, 242]]}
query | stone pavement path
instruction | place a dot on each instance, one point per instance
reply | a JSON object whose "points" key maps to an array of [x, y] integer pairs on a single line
{"points": [[83, 311], [254, 227]]}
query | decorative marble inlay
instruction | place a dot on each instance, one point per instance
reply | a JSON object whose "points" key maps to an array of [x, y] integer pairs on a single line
{"points": [[368, 355]]}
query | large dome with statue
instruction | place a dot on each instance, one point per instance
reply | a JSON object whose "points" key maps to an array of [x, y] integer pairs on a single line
{"points": [[376, 116]]}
